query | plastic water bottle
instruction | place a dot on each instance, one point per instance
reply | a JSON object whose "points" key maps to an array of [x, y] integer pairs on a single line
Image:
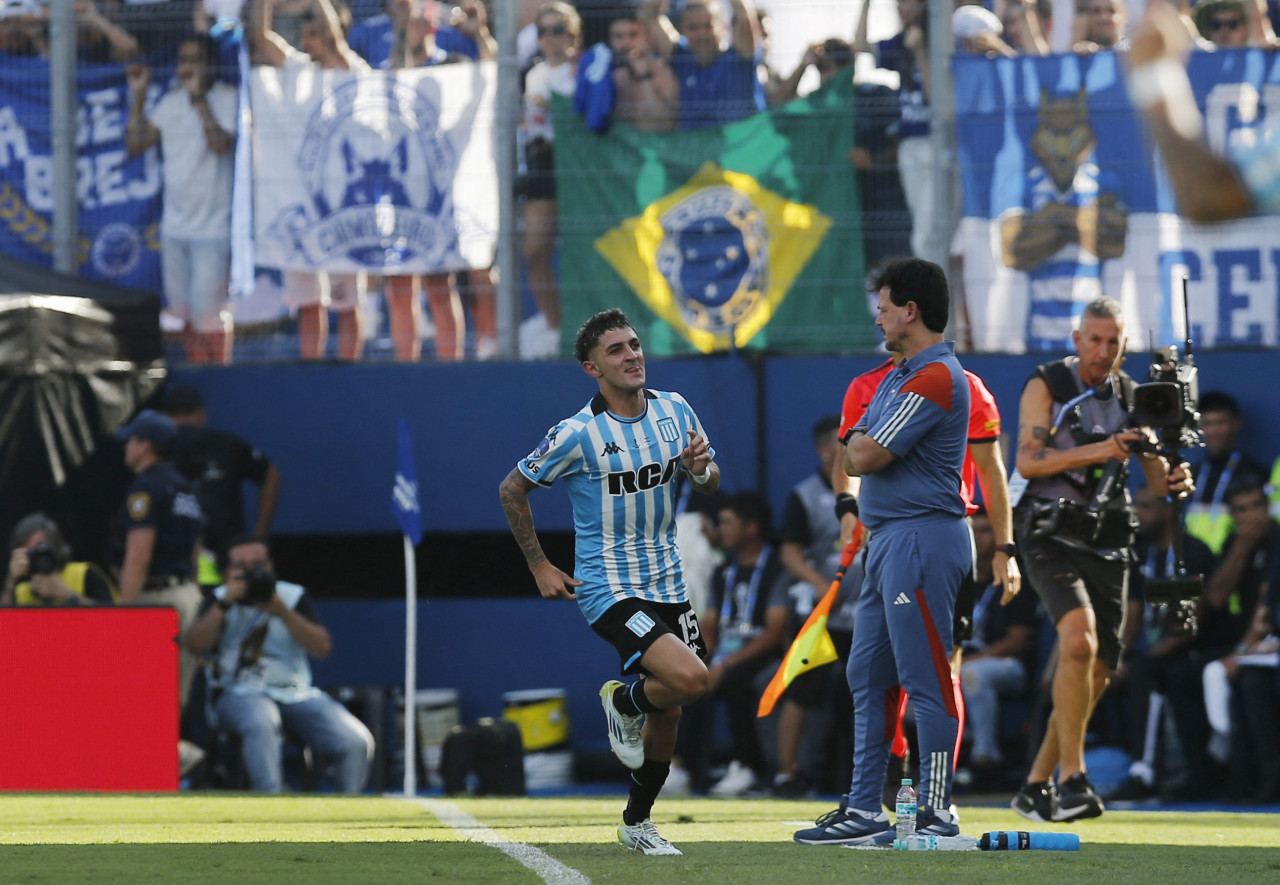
{"points": [[905, 827], [1020, 840]]}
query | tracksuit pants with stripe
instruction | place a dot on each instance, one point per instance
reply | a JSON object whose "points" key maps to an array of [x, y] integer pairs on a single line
{"points": [[902, 641]]}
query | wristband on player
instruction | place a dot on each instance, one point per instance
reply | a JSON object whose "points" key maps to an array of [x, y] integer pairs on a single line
{"points": [[703, 479], [846, 503]]}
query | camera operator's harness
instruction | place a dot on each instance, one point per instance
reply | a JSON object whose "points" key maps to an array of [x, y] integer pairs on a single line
{"points": [[1098, 525]]}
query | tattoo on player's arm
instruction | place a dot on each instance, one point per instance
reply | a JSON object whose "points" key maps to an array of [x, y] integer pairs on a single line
{"points": [[515, 503]]}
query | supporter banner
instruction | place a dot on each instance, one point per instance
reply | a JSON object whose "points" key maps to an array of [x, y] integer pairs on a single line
{"points": [[1063, 201], [386, 171], [119, 197], [742, 236]]}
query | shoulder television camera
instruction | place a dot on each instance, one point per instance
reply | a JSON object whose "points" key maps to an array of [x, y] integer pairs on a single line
{"points": [[1168, 403]]}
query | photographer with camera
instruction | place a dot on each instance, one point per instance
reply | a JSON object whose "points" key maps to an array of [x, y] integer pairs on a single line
{"points": [[41, 571], [1074, 528], [258, 632]]}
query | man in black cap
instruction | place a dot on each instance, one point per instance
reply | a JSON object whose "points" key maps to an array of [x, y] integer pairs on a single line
{"points": [[218, 463], [156, 534]]}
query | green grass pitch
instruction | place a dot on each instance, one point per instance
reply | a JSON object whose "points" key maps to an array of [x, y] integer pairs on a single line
{"points": [[198, 838]]}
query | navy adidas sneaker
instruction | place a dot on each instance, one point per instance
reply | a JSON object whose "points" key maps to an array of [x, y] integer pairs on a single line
{"points": [[928, 823], [845, 826]]}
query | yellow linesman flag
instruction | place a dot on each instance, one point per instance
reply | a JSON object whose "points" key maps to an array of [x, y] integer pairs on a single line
{"points": [[812, 646]]}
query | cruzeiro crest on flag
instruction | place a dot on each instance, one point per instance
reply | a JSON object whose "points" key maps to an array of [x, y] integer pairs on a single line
{"points": [[717, 256]]}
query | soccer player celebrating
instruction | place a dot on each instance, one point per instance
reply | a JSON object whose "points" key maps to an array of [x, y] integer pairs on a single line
{"points": [[620, 457]]}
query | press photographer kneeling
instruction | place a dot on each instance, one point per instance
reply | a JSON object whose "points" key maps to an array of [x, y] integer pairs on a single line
{"points": [[1074, 528], [258, 632]]}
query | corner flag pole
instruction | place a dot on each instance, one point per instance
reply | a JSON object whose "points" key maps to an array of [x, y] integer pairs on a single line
{"points": [[404, 504], [410, 669]]}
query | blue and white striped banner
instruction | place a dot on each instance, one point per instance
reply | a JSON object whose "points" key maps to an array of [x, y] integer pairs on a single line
{"points": [[1064, 200]]}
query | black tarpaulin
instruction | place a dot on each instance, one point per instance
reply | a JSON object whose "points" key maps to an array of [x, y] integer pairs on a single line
{"points": [[77, 357]]}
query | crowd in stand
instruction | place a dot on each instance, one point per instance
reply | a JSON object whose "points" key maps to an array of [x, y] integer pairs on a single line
{"points": [[658, 65]]}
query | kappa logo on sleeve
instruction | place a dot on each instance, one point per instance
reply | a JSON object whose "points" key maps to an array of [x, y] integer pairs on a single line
{"points": [[640, 623]]}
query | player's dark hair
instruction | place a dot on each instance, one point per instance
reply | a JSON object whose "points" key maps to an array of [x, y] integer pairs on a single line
{"points": [[925, 283], [751, 507], [593, 329], [825, 425], [1218, 401]]}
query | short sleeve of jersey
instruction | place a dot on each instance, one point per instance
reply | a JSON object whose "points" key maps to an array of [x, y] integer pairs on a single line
{"points": [[694, 423], [142, 503], [250, 463], [558, 454], [306, 607], [921, 403], [984, 415], [858, 397]]}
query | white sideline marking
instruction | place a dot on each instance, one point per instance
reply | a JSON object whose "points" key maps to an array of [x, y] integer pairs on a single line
{"points": [[544, 865]]}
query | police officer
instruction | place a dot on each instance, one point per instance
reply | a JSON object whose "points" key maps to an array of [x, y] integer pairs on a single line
{"points": [[158, 530], [1074, 526]]}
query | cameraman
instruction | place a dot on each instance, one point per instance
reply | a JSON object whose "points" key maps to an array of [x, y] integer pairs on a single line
{"points": [[259, 632], [1074, 530], [41, 571]]}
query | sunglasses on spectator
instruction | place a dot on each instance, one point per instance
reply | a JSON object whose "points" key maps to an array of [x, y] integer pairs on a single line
{"points": [[553, 30], [1225, 24]]}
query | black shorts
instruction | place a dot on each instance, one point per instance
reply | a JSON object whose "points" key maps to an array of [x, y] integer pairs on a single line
{"points": [[632, 625], [1067, 579], [539, 180]]}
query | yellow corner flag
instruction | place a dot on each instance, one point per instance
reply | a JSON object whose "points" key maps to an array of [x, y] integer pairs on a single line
{"points": [[812, 646]]}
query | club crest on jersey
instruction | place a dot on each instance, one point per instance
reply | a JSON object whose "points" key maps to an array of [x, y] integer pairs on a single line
{"points": [[630, 482], [667, 430]]}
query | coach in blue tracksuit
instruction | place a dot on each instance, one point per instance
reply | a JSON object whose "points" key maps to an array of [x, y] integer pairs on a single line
{"points": [[908, 448]]}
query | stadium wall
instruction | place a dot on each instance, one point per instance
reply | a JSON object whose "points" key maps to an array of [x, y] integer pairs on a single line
{"points": [[332, 428]]}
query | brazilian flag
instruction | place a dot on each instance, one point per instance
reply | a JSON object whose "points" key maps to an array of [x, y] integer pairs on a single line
{"points": [[746, 235]]}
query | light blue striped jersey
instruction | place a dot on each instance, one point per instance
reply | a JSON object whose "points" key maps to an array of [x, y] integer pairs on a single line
{"points": [[621, 474]]}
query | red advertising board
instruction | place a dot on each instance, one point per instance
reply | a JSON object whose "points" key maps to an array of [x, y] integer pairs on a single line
{"points": [[89, 699]]}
